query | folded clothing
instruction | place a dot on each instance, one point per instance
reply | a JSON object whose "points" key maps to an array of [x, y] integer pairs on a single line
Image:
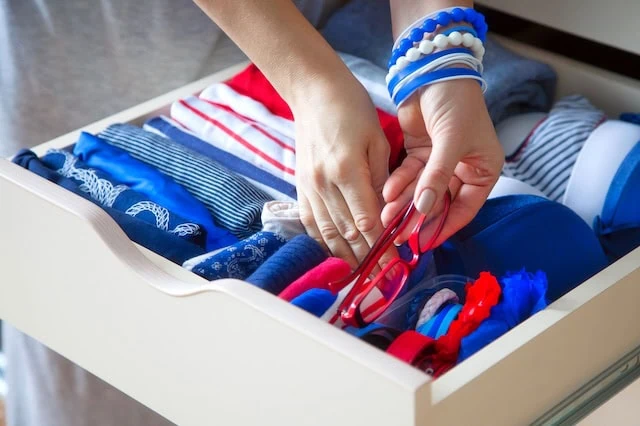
{"points": [[545, 159], [238, 260], [272, 185], [214, 119], [146, 180], [296, 257], [331, 270], [523, 295], [316, 301], [283, 218], [252, 83], [515, 84], [235, 204], [618, 226], [523, 231], [511, 186], [596, 166], [165, 244], [107, 192]]}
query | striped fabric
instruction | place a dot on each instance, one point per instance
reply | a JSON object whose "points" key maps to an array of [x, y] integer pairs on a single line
{"points": [[241, 126], [234, 203], [545, 159], [278, 188]]}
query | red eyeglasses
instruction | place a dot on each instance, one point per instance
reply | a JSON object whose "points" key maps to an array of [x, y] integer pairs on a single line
{"points": [[370, 297]]}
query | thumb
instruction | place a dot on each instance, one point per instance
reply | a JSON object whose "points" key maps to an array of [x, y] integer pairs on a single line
{"points": [[435, 178]]}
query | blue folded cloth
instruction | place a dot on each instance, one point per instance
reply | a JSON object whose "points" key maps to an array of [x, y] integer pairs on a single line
{"points": [[165, 244], [238, 260], [515, 84], [289, 263], [235, 204], [618, 226], [158, 187], [523, 294], [110, 193], [524, 231], [316, 301]]}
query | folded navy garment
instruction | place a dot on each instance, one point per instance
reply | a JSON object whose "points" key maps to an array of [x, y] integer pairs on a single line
{"points": [[515, 84], [618, 226], [277, 187], [524, 231], [107, 192], [165, 244], [235, 204], [238, 260], [146, 180], [296, 257]]}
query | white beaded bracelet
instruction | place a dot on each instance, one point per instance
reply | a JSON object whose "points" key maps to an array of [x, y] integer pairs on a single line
{"points": [[441, 41]]}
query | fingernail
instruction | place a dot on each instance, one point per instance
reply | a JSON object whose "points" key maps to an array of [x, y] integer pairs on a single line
{"points": [[426, 201]]}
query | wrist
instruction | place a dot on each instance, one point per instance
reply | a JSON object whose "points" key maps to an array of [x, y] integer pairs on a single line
{"points": [[320, 86]]}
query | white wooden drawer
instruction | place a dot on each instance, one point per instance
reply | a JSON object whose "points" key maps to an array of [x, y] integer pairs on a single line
{"points": [[228, 353]]}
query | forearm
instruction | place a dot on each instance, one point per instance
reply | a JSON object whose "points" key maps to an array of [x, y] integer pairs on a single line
{"points": [[405, 12], [281, 42]]}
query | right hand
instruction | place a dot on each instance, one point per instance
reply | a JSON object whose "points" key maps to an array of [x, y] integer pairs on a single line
{"points": [[342, 160]]}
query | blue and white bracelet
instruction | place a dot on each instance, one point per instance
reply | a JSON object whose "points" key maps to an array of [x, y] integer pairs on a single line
{"points": [[455, 53]]}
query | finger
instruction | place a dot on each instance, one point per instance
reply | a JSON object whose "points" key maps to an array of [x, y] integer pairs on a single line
{"points": [[329, 232], [341, 216], [364, 207], [436, 176], [463, 209], [401, 178], [308, 221]]}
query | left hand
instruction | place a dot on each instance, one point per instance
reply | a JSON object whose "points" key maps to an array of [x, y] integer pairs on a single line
{"points": [[450, 143]]}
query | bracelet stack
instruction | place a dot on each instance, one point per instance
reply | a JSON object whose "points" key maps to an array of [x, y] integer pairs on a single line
{"points": [[431, 50]]}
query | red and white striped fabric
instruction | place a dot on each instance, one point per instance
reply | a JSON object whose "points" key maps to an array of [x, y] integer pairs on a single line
{"points": [[247, 118], [237, 124]]}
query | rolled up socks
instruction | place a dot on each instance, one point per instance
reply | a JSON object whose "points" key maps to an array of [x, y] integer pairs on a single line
{"points": [[332, 269], [316, 301], [299, 255]]}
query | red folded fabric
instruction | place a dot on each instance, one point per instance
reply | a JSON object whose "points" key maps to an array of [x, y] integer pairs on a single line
{"points": [[481, 296], [332, 269], [252, 83]]}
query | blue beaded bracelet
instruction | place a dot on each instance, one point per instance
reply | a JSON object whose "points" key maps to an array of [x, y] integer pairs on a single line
{"points": [[415, 66], [433, 77], [470, 16]]}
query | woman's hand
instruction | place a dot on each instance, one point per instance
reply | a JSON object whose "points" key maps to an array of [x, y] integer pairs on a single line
{"points": [[342, 160], [450, 143]]}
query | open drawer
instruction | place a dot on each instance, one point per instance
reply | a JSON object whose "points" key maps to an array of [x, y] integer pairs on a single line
{"points": [[228, 353]]}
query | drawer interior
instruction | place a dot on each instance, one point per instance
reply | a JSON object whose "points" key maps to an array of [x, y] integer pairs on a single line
{"points": [[547, 352]]}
